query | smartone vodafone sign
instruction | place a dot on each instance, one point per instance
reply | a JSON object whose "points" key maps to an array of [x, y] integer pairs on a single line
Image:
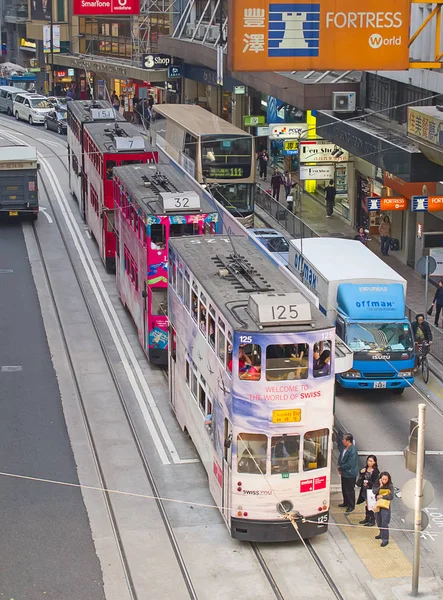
{"points": [[106, 7], [277, 35]]}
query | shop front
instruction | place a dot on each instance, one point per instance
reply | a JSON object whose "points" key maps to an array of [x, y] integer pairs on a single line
{"points": [[384, 165]]}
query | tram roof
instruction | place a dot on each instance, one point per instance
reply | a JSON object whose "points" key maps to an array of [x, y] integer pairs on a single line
{"points": [[82, 110], [231, 298], [198, 120], [134, 177], [103, 135]]}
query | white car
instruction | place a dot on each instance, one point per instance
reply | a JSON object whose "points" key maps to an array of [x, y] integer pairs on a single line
{"points": [[31, 107], [274, 241]]}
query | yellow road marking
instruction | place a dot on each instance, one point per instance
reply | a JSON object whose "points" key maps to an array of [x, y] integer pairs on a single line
{"points": [[382, 563]]}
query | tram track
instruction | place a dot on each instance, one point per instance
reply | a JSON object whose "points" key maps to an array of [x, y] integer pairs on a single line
{"points": [[256, 549]]}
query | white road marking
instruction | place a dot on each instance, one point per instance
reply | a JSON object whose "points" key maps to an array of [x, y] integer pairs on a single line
{"points": [[396, 452], [11, 369], [87, 232], [113, 322], [44, 211]]}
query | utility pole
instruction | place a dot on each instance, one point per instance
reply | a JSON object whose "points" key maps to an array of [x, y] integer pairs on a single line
{"points": [[51, 8], [418, 497], [220, 50]]}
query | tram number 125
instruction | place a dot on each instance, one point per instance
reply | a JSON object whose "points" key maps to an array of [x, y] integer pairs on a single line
{"points": [[283, 313]]}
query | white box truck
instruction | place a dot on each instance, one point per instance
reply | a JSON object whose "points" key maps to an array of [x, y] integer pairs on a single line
{"points": [[365, 299]]}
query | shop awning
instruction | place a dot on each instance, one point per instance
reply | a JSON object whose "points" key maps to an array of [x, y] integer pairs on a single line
{"points": [[379, 145]]}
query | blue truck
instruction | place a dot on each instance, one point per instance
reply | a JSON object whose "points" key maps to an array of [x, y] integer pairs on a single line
{"points": [[365, 299]]}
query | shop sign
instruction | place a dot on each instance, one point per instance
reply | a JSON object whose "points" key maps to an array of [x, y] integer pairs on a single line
{"points": [[156, 61], [419, 230], [317, 172], [277, 35], [70, 72], [425, 126], [106, 7], [175, 72], [375, 203], [34, 70], [427, 203], [287, 131], [263, 131], [408, 189], [60, 73], [290, 147], [239, 89], [321, 151], [252, 121], [24, 43]]}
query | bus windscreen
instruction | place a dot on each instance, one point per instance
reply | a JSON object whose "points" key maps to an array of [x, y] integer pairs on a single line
{"points": [[226, 157]]}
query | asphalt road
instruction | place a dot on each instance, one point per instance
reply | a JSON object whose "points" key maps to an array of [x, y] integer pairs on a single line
{"points": [[46, 548]]}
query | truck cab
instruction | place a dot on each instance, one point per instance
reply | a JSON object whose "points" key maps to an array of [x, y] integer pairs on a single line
{"points": [[365, 298], [370, 320]]}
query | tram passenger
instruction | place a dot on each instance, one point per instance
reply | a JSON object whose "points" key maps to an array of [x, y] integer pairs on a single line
{"points": [[316, 357], [246, 367], [323, 367], [253, 459]]}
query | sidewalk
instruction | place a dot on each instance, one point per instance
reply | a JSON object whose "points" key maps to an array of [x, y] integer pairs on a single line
{"points": [[313, 213]]}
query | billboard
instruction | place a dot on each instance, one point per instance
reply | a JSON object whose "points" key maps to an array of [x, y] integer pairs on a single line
{"points": [[47, 39], [277, 35], [41, 10], [106, 7], [426, 123]]}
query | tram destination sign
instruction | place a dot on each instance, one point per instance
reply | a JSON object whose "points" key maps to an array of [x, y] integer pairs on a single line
{"points": [[180, 201], [280, 35]]}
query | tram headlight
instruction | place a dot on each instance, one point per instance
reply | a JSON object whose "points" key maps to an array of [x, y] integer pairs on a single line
{"points": [[352, 374], [284, 507]]}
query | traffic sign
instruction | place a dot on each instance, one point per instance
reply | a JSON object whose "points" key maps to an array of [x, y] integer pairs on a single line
{"points": [[410, 520], [421, 265], [408, 493]]}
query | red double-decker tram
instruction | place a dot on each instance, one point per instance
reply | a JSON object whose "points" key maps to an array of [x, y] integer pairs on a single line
{"points": [[80, 114], [105, 146]]}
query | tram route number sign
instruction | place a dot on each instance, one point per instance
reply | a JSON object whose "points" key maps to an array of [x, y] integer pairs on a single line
{"points": [[181, 201], [290, 415]]}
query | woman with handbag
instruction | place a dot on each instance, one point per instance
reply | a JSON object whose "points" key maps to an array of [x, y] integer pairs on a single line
{"points": [[369, 476], [384, 492]]}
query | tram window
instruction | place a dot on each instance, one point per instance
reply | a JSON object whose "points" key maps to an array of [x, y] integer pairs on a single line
{"points": [[159, 302], [187, 371], [202, 398], [321, 366], [130, 162], [249, 362], [180, 283], [285, 452], [209, 228], [194, 384], [186, 290], [315, 449], [190, 146], [158, 236], [211, 326], [194, 304], [252, 450], [287, 361], [110, 164], [178, 230], [202, 315], [221, 345], [229, 353]]}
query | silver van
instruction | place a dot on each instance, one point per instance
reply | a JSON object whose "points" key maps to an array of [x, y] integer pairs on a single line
{"points": [[7, 97]]}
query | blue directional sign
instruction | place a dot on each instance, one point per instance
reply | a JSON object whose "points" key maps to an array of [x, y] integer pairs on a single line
{"points": [[175, 72], [419, 203], [373, 203]]}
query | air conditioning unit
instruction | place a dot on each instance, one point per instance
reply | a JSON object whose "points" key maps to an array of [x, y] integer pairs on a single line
{"points": [[344, 102]]}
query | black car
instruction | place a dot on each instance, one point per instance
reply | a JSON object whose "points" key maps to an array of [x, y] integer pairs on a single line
{"points": [[56, 120]]}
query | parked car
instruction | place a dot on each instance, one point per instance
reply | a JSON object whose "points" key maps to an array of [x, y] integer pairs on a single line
{"points": [[59, 101], [273, 241], [57, 120], [31, 108], [7, 95]]}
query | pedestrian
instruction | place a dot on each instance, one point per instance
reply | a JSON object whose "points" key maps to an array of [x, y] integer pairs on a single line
{"points": [[70, 94], [361, 236], [330, 193], [384, 492], [287, 182], [115, 101], [438, 301], [348, 470], [384, 230], [263, 159], [369, 475], [276, 181]]}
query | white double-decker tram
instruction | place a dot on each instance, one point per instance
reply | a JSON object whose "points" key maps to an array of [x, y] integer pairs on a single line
{"points": [[251, 366]]}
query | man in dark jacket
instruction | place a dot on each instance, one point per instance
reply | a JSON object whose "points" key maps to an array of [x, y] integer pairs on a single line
{"points": [[438, 301], [276, 181], [421, 330], [348, 469]]}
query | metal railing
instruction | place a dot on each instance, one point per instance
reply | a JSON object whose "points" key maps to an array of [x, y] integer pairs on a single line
{"points": [[297, 228], [288, 220]]}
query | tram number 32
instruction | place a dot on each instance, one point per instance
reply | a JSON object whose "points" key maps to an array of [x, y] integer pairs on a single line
{"points": [[283, 313], [181, 202]]}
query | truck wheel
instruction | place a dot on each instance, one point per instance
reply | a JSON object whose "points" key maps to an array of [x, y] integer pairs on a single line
{"points": [[398, 391]]}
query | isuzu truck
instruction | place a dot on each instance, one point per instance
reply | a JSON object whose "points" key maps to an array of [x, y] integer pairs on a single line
{"points": [[365, 299]]}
